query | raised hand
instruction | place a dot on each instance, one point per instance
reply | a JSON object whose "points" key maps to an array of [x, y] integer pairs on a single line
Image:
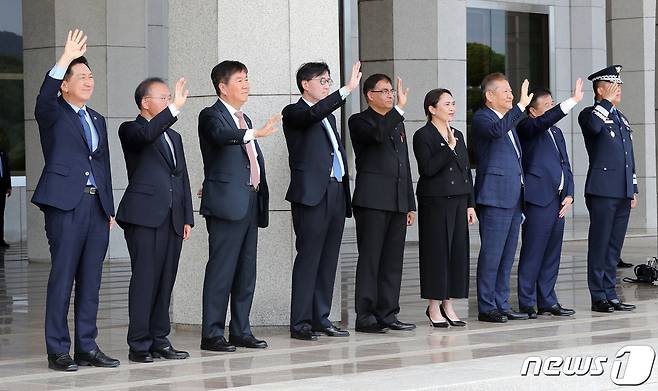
{"points": [[269, 127], [180, 94], [76, 46], [402, 94], [452, 140], [355, 78], [525, 99], [610, 92], [578, 91]]}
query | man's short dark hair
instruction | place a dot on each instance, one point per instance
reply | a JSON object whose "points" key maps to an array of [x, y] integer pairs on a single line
{"points": [[310, 70], [538, 92], [69, 70], [79, 60], [488, 80], [372, 81], [143, 89], [223, 71]]}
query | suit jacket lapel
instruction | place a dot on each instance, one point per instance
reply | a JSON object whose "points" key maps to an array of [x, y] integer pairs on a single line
{"points": [[100, 129], [229, 118]]}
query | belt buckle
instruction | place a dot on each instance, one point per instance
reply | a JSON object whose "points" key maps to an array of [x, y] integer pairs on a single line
{"points": [[92, 190]]}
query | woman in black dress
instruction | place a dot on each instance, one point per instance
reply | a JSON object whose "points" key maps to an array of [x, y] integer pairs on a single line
{"points": [[445, 209]]}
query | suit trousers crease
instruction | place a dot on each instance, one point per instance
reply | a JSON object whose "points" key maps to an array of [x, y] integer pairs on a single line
{"points": [[380, 237], [443, 247], [319, 231], [499, 233], [78, 240], [539, 261], [154, 256], [230, 273], [607, 228]]}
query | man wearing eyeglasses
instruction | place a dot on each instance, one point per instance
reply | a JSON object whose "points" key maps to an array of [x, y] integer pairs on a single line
{"points": [[383, 204], [155, 214], [319, 195]]}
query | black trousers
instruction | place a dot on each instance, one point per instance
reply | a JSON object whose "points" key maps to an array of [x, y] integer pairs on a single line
{"points": [[608, 220], [230, 272], [443, 247], [380, 239], [154, 255], [3, 202], [319, 231], [78, 242]]}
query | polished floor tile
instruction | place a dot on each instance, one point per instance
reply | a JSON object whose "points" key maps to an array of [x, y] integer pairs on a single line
{"points": [[480, 356]]}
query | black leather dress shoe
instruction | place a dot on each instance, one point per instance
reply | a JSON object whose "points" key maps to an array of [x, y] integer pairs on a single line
{"points": [[169, 353], [532, 314], [62, 362], [332, 331], [619, 306], [374, 328], [305, 334], [622, 265], [397, 325], [492, 316], [602, 306], [216, 344], [95, 358], [144, 357], [557, 310], [248, 341], [513, 315]]}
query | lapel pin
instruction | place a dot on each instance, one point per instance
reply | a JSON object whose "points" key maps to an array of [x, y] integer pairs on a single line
{"points": [[442, 144], [612, 133]]}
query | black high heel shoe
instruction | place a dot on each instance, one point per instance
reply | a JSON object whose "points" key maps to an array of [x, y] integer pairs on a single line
{"points": [[458, 323], [433, 323]]}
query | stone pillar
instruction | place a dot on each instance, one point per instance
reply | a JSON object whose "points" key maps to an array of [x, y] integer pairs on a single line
{"points": [[424, 43], [117, 56], [631, 29], [273, 38]]}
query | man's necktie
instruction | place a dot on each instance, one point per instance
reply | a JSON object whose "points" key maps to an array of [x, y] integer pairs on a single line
{"points": [[335, 165], [254, 173], [167, 148], [82, 114]]}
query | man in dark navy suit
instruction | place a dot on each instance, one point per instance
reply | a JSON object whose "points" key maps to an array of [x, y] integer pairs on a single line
{"points": [[549, 193], [5, 191], [75, 194], [234, 203], [610, 189], [498, 194], [383, 204], [155, 214], [319, 195]]}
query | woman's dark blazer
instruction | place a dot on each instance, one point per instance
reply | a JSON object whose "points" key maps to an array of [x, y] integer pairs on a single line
{"points": [[443, 172]]}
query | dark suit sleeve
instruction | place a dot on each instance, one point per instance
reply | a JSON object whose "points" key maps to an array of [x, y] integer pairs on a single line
{"points": [[366, 129], [529, 127], [134, 136], [7, 168], [429, 164], [217, 131], [590, 120], [300, 116], [187, 194], [487, 128], [108, 182], [568, 178], [47, 108]]}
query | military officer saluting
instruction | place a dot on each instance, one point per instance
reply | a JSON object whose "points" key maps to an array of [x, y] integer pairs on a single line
{"points": [[610, 189]]}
